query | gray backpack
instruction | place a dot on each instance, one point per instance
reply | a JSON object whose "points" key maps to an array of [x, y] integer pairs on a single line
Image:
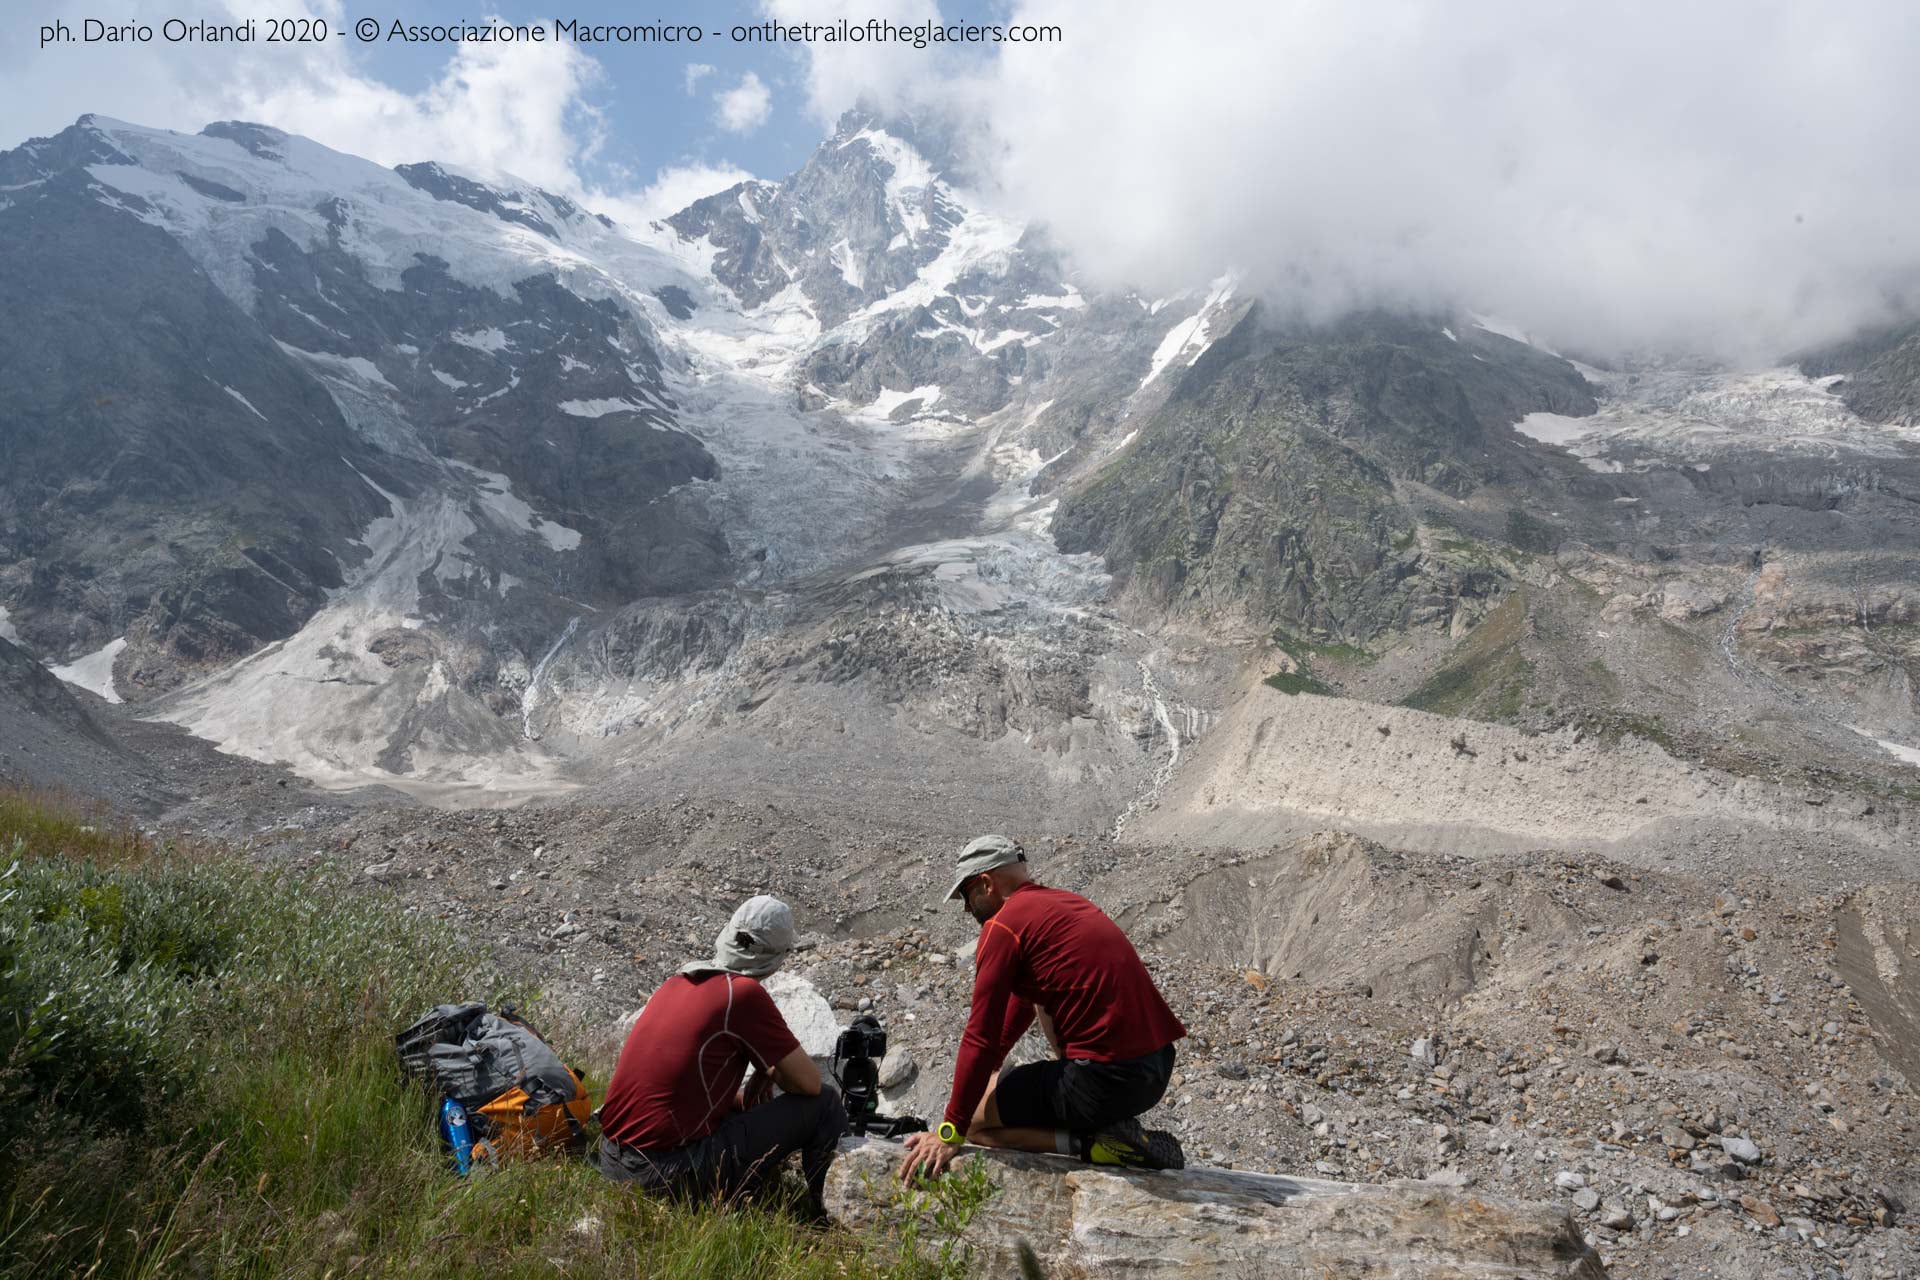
{"points": [[519, 1097], [499, 1054]]}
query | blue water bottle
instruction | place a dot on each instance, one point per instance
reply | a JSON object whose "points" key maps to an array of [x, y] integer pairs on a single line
{"points": [[458, 1133]]}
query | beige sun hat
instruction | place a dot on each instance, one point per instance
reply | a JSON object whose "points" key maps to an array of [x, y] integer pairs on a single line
{"points": [[753, 942], [984, 853]]}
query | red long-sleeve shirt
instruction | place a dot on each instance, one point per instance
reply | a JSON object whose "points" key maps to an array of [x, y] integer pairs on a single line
{"points": [[1054, 949]]}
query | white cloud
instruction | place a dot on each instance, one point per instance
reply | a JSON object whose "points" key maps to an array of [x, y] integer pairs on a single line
{"points": [[745, 107], [494, 108], [1725, 174], [672, 190], [696, 72], [837, 75]]}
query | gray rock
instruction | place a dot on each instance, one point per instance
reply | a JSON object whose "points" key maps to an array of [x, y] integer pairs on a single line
{"points": [[898, 1069], [1202, 1223], [1741, 1149], [807, 1012], [1586, 1200], [1676, 1137]]}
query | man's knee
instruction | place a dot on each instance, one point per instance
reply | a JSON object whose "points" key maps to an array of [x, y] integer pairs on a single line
{"points": [[832, 1114]]}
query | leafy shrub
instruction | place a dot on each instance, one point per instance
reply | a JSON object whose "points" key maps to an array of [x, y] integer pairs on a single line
{"points": [[81, 1031]]}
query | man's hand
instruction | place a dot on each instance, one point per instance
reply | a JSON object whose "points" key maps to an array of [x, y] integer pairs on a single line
{"points": [[758, 1089], [926, 1154]]}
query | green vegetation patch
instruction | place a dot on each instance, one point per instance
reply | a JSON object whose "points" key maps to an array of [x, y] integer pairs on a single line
{"points": [[1303, 650], [1612, 726], [1488, 673], [197, 1078], [1292, 682]]}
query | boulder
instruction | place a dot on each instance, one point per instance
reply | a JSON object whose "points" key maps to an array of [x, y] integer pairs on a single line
{"points": [[807, 1012], [1200, 1223]]}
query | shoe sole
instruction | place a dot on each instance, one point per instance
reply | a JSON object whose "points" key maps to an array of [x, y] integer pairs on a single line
{"points": [[1156, 1148]]}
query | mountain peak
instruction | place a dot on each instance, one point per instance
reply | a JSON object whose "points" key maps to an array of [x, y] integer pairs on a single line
{"points": [[924, 130]]}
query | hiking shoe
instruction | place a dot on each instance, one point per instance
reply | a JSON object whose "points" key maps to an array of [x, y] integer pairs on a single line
{"points": [[1126, 1143]]}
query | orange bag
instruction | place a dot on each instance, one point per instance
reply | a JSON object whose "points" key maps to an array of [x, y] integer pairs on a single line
{"points": [[515, 1125]]}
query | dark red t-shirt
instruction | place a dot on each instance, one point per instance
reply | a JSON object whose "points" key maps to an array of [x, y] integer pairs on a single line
{"points": [[686, 1056], [1055, 949]]}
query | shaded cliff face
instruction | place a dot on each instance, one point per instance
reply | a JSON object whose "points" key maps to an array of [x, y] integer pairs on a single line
{"points": [[1879, 372], [164, 466], [232, 356], [1277, 485]]}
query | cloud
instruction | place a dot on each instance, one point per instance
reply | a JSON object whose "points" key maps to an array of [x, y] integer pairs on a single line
{"points": [[745, 107], [522, 109], [1721, 175], [672, 190], [493, 108], [696, 72], [838, 75]]}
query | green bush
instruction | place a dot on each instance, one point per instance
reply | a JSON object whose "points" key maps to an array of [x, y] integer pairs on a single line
{"points": [[1292, 682]]}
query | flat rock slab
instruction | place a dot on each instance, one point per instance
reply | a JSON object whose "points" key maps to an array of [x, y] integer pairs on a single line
{"points": [[1082, 1221]]}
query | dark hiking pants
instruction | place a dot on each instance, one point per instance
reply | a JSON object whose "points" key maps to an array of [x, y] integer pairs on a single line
{"points": [[742, 1153]]}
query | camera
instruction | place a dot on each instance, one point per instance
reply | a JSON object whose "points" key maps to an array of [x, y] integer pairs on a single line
{"points": [[856, 1069]]}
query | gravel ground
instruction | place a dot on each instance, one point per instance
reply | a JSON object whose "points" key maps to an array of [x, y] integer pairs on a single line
{"points": [[1707, 1060], [1688, 1063]]}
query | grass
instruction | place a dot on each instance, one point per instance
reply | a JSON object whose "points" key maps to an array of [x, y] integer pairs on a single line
{"points": [[1488, 672], [46, 824], [1292, 682], [197, 1079], [1303, 650], [1307, 655]]}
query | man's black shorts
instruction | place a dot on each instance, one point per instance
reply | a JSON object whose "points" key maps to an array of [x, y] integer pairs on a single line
{"points": [[1079, 1096]]}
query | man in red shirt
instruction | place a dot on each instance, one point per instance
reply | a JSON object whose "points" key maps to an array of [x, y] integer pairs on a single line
{"points": [[1053, 954], [677, 1115]]}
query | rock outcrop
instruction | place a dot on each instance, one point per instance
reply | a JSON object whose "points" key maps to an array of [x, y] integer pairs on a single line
{"points": [[1219, 1223]]}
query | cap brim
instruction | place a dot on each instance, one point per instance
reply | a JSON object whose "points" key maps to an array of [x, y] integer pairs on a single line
{"points": [[955, 891]]}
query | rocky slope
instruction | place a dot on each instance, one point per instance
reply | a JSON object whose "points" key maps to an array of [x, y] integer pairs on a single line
{"points": [[1705, 1062], [1280, 483], [1877, 372]]}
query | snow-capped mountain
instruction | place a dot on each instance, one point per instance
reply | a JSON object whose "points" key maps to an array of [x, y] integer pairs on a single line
{"points": [[373, 446], [418, 477]]}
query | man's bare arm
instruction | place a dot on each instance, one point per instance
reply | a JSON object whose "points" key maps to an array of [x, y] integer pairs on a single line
{"points": [[796, 1073]]}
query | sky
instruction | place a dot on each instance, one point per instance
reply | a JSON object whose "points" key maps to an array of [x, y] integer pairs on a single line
{"points": [[1729, 178], [639, 125]]}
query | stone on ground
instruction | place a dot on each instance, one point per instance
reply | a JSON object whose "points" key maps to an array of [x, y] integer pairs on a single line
{"points": [[1204, 1223]]}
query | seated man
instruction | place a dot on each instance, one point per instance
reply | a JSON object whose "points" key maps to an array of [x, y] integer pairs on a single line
{"points": [[676, 1116], [1055, 953]]}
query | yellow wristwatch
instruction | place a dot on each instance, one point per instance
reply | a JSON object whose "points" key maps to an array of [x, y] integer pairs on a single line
{"points": [[950, 1135]]}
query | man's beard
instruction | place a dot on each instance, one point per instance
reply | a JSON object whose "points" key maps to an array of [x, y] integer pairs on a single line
{"points": [[982, 914]]}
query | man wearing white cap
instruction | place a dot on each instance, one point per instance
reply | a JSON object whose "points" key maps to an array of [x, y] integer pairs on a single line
{"points": [[1053, 954], [677, 1115]]}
